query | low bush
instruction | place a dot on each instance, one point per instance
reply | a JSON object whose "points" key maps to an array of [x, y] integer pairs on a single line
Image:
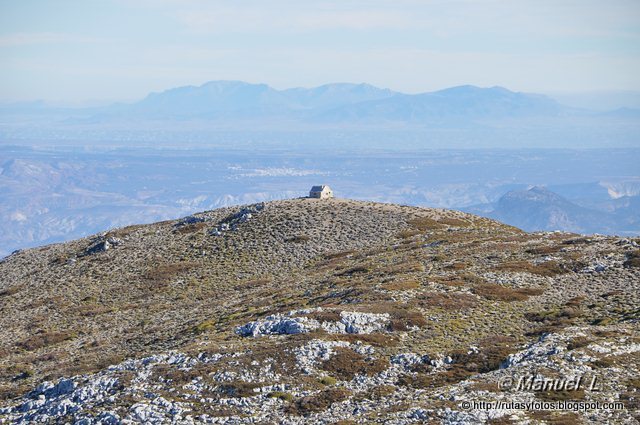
{"points": [[45, 339], [633, 259], [579, 342], [489, 356], [239, 389], [281, 395], [328, 380], [162, 274], [12, 290], [345, 364], [424, 223], [298, 239], [318, 402], [353, 270]]}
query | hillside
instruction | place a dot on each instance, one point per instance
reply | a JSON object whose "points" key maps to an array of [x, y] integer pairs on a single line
{"points": [[309, 311]]}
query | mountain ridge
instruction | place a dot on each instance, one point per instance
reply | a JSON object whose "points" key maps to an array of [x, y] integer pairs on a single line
{"points": [[305, 311]]}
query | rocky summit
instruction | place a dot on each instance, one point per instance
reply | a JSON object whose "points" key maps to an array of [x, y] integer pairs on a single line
{"points": [[311, 311]]}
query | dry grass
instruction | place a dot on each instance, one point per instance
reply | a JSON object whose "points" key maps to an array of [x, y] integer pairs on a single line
{"points": [[424, 223], [161, 274], [191, 228], [378, 392], [45, 339], [552, 320], [402, 268], [12, 290], [451, 301], [90, 310], [547, 268], [555, 418], [492, 291], [408, 233], [375, 339], [167, 294], [341, 254], [451, 375], [401, 285], [543, 250], [561, 395]]}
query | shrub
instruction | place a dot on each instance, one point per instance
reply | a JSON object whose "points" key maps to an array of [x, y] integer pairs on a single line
{"points": [[378, 392], [403, 320], [318, 402], [353, 270], [456, 222], [190, 228], [11, 290], [408, 233], [45, 339], [173, 374], [281, 395], [162, 274], [204, 326], [90, 310], [579, 342], [325, 316], [451, 375], [424, 223], [341, 254], [457, 266], [552, 320], [633, 259], [489, 356], [401, 285], [239, 389], [328, 380], [543, 250], [298, 239], [346, 364]]}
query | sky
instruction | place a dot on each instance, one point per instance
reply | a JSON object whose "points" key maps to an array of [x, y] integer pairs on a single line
{"points": [[90, 51]]}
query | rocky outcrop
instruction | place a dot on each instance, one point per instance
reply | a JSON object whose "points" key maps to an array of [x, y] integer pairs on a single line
{"points": [[350, 322]]}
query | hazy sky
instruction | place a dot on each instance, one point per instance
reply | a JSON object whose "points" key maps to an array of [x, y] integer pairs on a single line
{"points": [[78, 50]]}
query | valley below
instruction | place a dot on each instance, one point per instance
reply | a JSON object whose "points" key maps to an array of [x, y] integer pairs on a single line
{"points": [[57, 194]]}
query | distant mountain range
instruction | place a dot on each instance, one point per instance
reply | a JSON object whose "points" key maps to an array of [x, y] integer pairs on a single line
{"points": [[538, 208], [337, 103], [353, 114]]}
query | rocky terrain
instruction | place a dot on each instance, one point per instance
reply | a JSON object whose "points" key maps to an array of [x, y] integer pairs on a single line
{"points": [[335, 311]]}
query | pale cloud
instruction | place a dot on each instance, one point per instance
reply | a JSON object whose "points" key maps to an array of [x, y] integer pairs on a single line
{"points": [[214, 18], [34, 38], [126, 49]]}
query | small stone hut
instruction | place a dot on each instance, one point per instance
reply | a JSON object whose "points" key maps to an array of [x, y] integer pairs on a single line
{"points": [[321, 192]]}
